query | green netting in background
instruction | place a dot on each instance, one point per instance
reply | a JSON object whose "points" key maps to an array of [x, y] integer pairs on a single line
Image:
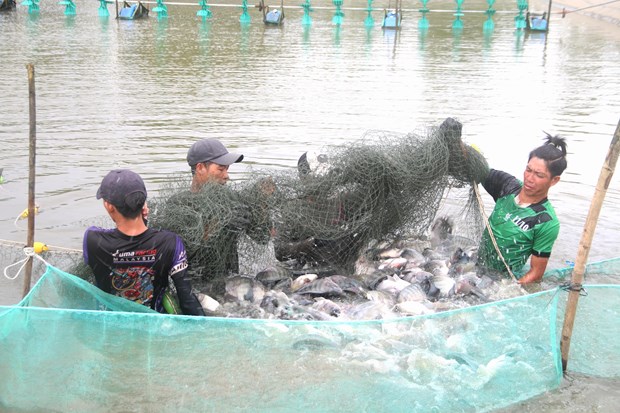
{"points": [[69, 355], [610, 267], [595, 342]]}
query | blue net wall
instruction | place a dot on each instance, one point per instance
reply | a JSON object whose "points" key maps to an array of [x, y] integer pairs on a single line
{"points": [[609, 267], [595, 342], [69, 347]]}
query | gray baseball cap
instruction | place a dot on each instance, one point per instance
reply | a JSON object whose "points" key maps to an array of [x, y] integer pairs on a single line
{"points": [[121, 187], [211, 150]]}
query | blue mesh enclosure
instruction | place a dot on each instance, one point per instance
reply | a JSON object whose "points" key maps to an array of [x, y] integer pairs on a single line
{"points": [[610, 267], [69, 347], [594, 347]]}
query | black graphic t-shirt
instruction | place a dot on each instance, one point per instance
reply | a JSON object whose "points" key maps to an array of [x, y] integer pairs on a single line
{"points": [[137, 267]]}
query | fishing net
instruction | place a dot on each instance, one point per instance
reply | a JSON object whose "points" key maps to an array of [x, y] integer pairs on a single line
{"points": [[225, 229], [12, 259], [70, 347], [321, 216], [594, 348]]}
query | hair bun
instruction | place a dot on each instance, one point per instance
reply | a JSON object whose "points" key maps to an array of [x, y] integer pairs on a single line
{"points": [[557, 141]]}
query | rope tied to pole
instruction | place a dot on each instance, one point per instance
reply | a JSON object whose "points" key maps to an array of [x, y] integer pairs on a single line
{"points": [[568, 287], [30, 253], [577, 287]]}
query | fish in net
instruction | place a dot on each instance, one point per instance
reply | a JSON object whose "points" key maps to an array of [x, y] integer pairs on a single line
{"points": [[321, 216]]}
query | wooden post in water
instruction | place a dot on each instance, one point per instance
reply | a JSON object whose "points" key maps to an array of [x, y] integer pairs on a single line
{"points": [[549, 14], [262, 7], [31, 173], [607, 172]]}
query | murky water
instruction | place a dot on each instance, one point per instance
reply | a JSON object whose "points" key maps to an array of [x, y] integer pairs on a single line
{"points": [[137, 94]]}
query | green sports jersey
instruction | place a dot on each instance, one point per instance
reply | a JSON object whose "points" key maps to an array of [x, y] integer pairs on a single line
{"points": [[519, 232]]}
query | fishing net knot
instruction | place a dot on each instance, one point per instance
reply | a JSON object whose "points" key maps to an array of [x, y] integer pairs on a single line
{"points": [[568, 286]]}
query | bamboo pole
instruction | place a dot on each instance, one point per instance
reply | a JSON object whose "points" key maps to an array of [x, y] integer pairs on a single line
{"points": [[31, 173], [607, 172]]}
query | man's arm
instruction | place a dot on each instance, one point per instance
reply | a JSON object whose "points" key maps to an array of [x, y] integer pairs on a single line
{"points": [[187, 300], [499, 184], [178, 272], [537, 269], [467, 163], [545, 236]]}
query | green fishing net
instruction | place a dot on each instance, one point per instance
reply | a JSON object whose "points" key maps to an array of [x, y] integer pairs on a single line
{"points": [[594, 348], [94, 355], [322, 215], [70, 347]]}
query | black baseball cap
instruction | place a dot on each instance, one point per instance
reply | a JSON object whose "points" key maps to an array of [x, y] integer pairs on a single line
{"points": [[121, 188], [211, 150]]}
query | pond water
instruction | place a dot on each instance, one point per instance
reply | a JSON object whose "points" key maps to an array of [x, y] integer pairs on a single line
{"points": [[136, 94]]}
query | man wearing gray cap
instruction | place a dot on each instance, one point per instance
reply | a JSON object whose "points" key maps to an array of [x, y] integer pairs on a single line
{"points": [[133, 261], [209, 161], [211, 217]]}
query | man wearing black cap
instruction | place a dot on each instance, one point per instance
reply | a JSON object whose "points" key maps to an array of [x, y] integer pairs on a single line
{"points": [[209, 161], [132, 260]]}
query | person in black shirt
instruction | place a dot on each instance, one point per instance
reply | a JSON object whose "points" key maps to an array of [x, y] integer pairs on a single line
{"points": [[132, 260]]}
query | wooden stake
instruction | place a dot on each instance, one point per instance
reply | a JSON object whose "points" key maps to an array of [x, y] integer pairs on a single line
{"points": [[31, 173], [607, 172]]}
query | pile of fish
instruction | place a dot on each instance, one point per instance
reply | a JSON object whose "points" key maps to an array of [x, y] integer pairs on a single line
{"points": [[392, 279]]}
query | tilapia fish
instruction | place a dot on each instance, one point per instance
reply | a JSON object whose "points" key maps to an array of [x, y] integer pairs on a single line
{"points": [[271, 276], [321, 287], [243, 288], [402, 278]]}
